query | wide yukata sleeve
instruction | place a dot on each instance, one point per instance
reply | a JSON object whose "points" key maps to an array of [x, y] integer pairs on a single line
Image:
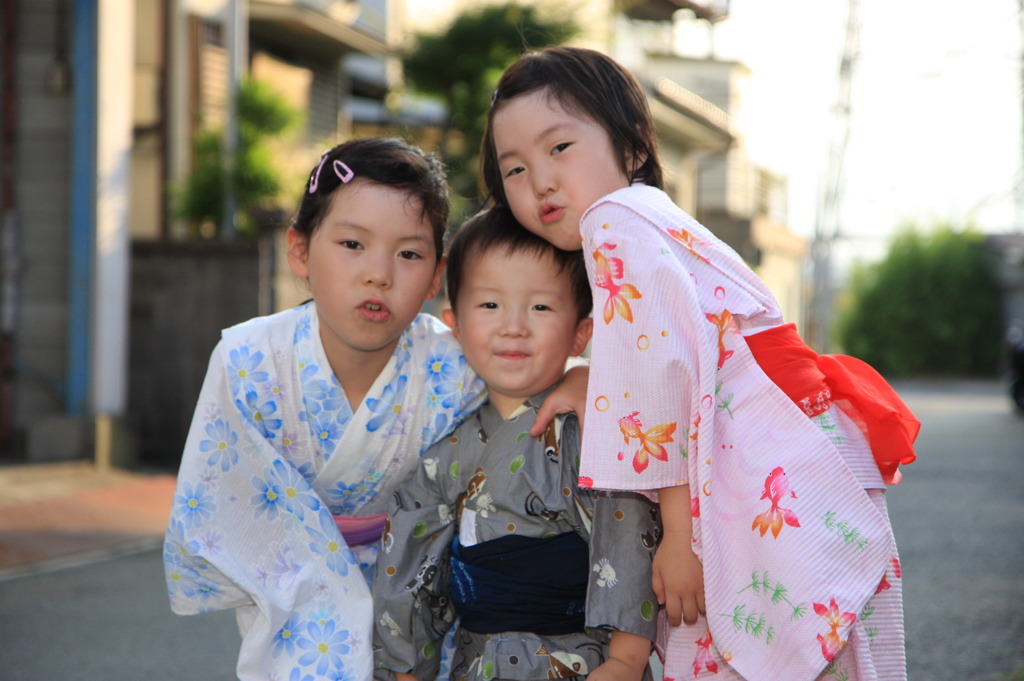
{"points": [[646, 354], [413, 611], [623, 537], [248, 531]]}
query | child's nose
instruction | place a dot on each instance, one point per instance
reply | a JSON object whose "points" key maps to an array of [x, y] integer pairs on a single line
{"points": [[515, 324], [377, 272], [543, 183]]}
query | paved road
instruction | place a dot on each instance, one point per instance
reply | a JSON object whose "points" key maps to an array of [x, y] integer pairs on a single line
{"points": [[958, 517], [109, 621], [959, 523]]}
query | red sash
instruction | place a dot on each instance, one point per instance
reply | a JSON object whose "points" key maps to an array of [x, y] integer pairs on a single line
{"points": [[814, 381]]}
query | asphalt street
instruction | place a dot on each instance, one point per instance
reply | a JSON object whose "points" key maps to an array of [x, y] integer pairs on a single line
{"points": [[958, 518]]}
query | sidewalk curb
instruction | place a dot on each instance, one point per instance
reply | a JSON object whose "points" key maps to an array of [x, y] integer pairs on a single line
{"points": [[81, 559]]}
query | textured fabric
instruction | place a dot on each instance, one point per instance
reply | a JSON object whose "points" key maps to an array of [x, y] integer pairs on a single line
{"points": [[487, 481], [508, 583], [800, 565], [813, 381], [274, 450]]}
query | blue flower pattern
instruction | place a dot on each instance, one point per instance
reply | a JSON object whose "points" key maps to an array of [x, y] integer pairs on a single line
{"points": [[260, 414], [220, 445], [326, 644], [312, 642], [387, 408], [342, 498]]}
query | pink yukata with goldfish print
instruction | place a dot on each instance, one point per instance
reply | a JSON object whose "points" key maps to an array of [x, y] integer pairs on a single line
{"points": [[802, 578]]}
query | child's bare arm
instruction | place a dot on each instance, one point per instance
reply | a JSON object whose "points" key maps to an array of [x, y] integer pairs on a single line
{"points": [[678, 575], [570, 395], [628, 656], [405, 676]]}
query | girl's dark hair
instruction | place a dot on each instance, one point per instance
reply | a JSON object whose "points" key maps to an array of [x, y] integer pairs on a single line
{"points": [[585, 82], [384, 161], [497, 228]]}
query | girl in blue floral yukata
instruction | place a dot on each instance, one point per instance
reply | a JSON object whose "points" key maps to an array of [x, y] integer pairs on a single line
{"points": [[309, 418]]}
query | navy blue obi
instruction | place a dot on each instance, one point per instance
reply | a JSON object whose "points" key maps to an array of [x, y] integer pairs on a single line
{"points": [[517, 583]]}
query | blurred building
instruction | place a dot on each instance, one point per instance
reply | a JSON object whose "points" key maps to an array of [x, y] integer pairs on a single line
{"points": [[110, 307], [698, 103], [109, 311]]}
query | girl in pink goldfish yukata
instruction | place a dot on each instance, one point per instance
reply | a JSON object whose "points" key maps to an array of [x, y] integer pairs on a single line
{"points": [[777, 560]]}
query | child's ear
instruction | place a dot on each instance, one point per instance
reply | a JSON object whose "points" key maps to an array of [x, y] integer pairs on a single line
{"points": [[448, 316], [435, 283], [298, 253], [584, 329]]}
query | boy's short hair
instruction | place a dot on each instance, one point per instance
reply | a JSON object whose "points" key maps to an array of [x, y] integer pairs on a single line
{"points": [[496, 227]]}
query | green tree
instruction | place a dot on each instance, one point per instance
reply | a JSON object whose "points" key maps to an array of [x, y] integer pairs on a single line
{"points": [[461, 66], [931, 307], [255, 177]]}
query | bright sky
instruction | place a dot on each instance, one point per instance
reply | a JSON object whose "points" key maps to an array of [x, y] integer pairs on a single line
{"points": [[936, 109]]}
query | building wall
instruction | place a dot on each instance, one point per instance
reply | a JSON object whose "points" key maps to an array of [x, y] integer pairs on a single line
{"points": [[210, 284], [41, 166]]}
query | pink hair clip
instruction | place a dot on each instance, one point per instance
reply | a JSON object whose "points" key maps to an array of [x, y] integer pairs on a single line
{"points": [[343, 172], [314, 179]]}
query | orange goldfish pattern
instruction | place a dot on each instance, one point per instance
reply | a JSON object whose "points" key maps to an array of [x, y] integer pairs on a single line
{"points": [[687, 239], [723, 322], [750, 462], [607, 271], [831, 644], [704, 659], [776, 488], [652, 440]]}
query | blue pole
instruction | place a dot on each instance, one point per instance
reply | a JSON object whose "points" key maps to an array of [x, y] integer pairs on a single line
{"points": [[83, 205]]}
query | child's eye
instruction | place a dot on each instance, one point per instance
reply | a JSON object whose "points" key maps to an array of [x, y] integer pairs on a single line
{"points": [[513, 171], [489, 306], [410, 255], [349, 243], [559, 148], [541, 307]]}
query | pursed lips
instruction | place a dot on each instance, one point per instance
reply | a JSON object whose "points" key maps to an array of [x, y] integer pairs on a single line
{"points": [[550, 213]]}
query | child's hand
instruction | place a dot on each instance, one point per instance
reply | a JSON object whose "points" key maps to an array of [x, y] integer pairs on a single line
{"points": [[570, 395], [405, 676], [677, 574], [628, 656], [678, 578]]}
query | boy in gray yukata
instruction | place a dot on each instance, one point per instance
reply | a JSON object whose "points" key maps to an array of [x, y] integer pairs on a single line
{"points": [[545, 579]]}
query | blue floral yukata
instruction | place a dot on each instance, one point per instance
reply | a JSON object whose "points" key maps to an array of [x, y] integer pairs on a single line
{"points": [[274, 454]]}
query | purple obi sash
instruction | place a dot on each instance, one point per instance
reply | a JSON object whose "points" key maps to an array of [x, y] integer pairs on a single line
{"points": [[359, 530]]}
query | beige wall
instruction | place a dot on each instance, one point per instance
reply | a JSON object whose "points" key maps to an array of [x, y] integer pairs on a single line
{"points": [[781, 268]]}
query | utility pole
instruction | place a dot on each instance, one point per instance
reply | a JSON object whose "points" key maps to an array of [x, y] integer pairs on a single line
{"points": [[830, 192], [237, 38], [1018, 190]]}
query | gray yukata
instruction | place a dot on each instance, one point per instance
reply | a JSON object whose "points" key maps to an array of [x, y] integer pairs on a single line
{"points": [[490, 479]]}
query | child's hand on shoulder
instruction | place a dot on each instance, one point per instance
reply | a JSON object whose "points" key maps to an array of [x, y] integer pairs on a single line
{"points": [[570, 395]]}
